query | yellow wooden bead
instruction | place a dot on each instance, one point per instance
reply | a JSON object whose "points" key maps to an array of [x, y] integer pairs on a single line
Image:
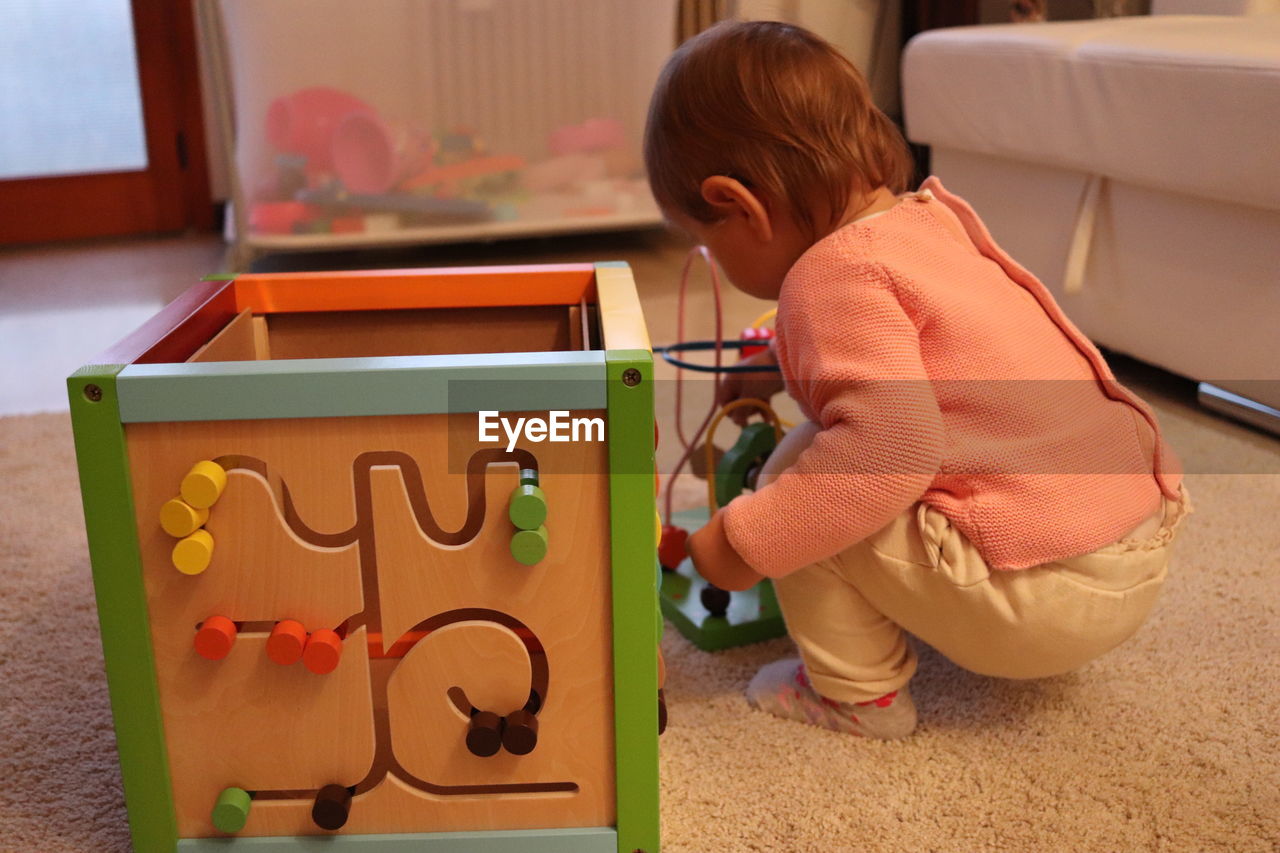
{"points": [[657, 526], [203, 484], [179, 518], [191, 555]]}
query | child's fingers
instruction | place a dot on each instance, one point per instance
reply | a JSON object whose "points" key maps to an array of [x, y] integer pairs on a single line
{"points": [[728, 392]]}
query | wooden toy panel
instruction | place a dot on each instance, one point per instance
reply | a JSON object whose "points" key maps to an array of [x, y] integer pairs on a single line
{"points": [[434, 331], [243, 339], [317, 524], [243, 721], [535, 595]]}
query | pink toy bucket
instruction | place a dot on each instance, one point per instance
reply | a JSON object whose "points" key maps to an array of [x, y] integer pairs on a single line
{"points": [[303, 122], [371, 156]]}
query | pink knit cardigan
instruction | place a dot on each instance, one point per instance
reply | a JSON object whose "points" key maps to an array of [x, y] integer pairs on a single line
{"points": [[939, 370]]}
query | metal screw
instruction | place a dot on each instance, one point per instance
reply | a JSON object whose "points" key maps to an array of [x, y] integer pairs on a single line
{"points": [[631, 377], [92, 393]]}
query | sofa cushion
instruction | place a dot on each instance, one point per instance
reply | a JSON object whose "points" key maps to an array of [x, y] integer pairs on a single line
{"points": [[1189, 104]]}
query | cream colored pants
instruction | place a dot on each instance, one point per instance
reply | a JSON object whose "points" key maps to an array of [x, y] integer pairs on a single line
{"points": [[849, 614]]}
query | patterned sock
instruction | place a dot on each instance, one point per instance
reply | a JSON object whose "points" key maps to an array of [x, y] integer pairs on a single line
{"points": [[782, 688]]}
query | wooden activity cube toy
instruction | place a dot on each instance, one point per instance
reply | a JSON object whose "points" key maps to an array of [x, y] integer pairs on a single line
{"points": [[334, 618]]}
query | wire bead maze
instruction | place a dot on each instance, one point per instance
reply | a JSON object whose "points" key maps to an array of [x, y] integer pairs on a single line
{"points": [[673, 537]]}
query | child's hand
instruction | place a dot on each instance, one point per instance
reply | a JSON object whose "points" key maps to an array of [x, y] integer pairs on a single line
{"points": [[716, 560], [738, 386]]}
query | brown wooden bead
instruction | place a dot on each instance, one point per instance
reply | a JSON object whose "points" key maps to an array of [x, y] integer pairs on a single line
{"points": [[520, 734], [331, 808], [715, 599], [662, 712], [484, 736]]}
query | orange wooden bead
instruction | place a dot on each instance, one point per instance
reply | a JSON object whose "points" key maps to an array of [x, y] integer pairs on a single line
{"points": [[323, 651], [215, 637], [287, 642]]}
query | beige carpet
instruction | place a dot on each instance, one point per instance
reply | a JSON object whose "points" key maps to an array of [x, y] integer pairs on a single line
{"points": [[1171, 743]]}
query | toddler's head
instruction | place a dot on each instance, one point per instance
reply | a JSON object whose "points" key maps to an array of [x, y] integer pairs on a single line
{"points": [[760, 140]]}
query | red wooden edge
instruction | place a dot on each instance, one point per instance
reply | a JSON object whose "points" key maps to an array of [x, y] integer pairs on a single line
{"points": [[182, 327]]}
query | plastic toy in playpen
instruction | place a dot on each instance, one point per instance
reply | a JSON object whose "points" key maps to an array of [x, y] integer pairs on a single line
{"points": [[711, 617], [342, 167], [338, 159]]}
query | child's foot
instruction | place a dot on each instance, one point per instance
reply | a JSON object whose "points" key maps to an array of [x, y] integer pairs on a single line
{"points": [[782, 688]]}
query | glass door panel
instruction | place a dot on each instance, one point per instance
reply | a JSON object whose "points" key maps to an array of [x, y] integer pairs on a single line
{"points": [[70, 102]]}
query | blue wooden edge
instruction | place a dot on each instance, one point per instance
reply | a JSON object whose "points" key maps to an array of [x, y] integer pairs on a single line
{"points": [[601, 839], [341, 387]]}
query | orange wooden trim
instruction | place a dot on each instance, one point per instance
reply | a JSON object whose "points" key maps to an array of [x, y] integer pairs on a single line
{"points": [[449, 287], [182, 327]]}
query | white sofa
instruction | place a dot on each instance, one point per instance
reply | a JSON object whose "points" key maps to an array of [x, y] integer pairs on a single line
{"points": [[1133, 164]]}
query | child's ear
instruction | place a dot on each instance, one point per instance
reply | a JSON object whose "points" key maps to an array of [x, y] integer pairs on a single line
{"points": [[731, 200]]}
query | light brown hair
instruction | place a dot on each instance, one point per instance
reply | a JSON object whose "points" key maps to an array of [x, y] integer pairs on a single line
{"points": [[777, 108]]}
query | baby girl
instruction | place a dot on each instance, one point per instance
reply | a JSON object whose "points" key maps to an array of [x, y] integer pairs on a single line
{"points": [[971, 472]]}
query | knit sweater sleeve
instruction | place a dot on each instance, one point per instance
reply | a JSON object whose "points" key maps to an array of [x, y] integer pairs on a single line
{"points": [[851, 355]]}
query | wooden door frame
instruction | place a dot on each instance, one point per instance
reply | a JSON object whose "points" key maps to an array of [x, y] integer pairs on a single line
{"points": [[173, 193]]}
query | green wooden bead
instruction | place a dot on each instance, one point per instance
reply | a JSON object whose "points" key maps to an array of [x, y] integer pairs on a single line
{"points": [[231, 810], [528, 477], [528, 507], [529, 546]]}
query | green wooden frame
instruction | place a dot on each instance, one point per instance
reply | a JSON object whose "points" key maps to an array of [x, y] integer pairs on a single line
{"points": [[635, 628], [107, 492], [621, 381]]}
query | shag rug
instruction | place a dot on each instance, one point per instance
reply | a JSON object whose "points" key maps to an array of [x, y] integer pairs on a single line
{"points": [[1169, 743]]}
